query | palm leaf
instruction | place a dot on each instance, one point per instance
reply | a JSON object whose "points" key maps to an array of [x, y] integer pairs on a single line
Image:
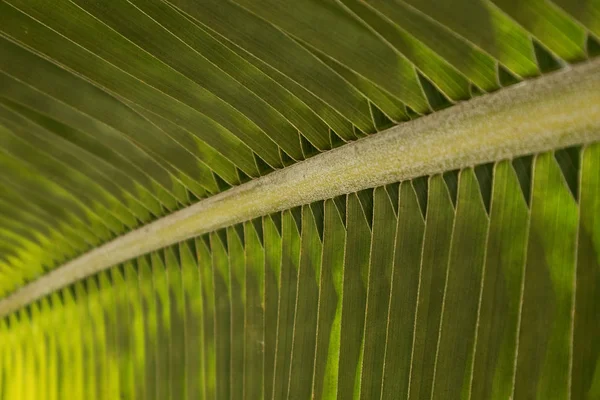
{"points": [[309, 199]]}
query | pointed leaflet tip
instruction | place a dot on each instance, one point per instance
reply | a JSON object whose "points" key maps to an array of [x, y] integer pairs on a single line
{"points": [[366, 202], [451, 180], [593, 46], [421, 188], [506, 77], [258, 227], [485, 175], [436, 99], [523, 168], [568, 160], [380, 120], [546, 61]]}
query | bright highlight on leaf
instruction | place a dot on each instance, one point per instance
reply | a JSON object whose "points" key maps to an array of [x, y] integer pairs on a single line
{"points": [[179, 128]]}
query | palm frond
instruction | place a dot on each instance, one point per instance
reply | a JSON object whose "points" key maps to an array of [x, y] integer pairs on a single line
{"points": [[308, 199]]}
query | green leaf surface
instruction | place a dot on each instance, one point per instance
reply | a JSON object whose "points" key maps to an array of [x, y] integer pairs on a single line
{"points": [[286, 310], [379, 283], [460, 306], [546, 335], [403, 296], [114, 115], [355, 280], [125, 124], [272, 253], [254, 334], [499, 312], [586, 353], [328, 333], [432, 281], [307, 302]]}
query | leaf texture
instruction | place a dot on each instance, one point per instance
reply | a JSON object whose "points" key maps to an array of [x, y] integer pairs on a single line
{"points": [[115, 114], [394, 292]]}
